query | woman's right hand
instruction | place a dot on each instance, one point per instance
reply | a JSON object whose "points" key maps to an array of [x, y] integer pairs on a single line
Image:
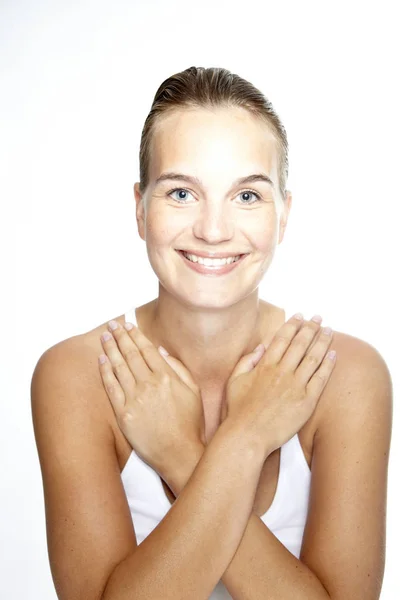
{"points": [[273, 400]]}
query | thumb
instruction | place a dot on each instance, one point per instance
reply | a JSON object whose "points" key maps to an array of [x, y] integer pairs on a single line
{"points": [[182, 372], [248, 362]]}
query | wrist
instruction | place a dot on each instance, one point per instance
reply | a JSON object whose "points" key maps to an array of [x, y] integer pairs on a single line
{"points": [[180, 470], [247, 441]]}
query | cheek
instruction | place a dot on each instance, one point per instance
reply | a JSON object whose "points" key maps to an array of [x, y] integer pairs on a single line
{"points": [[160, 232], [155, 223], [164, 225], [265, 235]]}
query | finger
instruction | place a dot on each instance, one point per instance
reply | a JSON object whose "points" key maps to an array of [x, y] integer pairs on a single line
{"points": [[300, 344], [321, 377], [129, 353], [182, 372], [248, 362], [282, 340], [112, 386], [118, 364], [314, 356], [150, 356]]}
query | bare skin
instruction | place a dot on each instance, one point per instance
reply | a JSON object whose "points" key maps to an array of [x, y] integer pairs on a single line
{"points": [[273, 318], [345, 441], [208, 323]]}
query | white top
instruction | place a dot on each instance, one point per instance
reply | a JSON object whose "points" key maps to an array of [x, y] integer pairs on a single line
{"points": [[286, 517]]}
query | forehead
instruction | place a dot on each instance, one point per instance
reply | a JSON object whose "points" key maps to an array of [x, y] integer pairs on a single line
{"points": [[214, 141]]}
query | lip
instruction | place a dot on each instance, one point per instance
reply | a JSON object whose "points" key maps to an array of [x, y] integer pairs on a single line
{"points": [[213, 271], [211, 254]]}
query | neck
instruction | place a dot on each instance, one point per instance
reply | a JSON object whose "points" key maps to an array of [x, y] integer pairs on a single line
{"points": [[208, 341]]}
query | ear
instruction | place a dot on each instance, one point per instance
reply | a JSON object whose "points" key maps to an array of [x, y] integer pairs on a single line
{"points": [[287, 204], [140, 211]]}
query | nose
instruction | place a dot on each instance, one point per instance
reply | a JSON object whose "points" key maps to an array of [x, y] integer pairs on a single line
{"points": [[213, 223]]}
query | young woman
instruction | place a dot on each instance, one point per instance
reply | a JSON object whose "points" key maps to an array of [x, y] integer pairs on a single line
{"points": [[224, 469]]}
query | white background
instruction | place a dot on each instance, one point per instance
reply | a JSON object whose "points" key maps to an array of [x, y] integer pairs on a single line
{"points": [[77, 82]]}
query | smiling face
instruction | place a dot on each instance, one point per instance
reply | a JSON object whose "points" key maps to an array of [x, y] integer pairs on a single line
{"points": [[211, 211]]}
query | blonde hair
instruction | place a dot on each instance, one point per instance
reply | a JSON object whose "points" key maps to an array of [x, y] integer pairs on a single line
{"points": [[200, 87]]}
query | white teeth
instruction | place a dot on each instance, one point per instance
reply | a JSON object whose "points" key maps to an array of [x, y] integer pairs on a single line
{"points": [[211, 262]]}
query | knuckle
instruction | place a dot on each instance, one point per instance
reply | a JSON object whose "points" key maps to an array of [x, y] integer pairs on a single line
{"points": [[321, 376], [280, 337], [131, 353], [298, 385], [148, 386], [126, 416], [119, 367], [112, 387], [298, 341], [147, 350], [165, 378], [301, 396], [275, 377], [312, 359]]}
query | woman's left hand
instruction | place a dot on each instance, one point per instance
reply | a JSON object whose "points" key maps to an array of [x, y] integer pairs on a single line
{"points": [[157, 404]]}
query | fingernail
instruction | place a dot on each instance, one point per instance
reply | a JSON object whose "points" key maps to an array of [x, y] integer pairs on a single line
{"points": [[163, 351], [317, 319], [113, 325], [259, 347], [128, 325], [298, 316]]}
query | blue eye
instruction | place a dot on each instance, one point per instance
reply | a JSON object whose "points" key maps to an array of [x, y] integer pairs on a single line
{"points": [[254, 194], [182, 200]]}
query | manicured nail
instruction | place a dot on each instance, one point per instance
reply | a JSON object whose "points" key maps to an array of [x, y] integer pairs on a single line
{"points": [[317, 319], [258, 348], [113, 325], [106, 336], [298, 316], [327, 330], [128, 325], [163, 351]]}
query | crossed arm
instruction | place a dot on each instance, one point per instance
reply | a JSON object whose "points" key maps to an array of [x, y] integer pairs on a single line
{"points": [[210, 532], [343, 550], [262, 567]]}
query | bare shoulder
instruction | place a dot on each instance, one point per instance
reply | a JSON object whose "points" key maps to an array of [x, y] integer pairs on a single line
{"points": [[349, 473], [72, 420], [360, 377], [76, 359]]}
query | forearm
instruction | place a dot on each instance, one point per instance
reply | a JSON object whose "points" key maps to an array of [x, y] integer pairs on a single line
{"points": [[262, 567], [187, 553]]}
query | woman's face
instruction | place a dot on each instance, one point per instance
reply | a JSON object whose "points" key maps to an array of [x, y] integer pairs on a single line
{"points": [[215, 213]]}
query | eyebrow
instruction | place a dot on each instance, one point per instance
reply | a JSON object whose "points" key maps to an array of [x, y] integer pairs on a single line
{"points": [[196, 181]]}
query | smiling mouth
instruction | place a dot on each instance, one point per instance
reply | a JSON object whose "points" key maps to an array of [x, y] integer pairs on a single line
{"points": [[208, 261]]}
